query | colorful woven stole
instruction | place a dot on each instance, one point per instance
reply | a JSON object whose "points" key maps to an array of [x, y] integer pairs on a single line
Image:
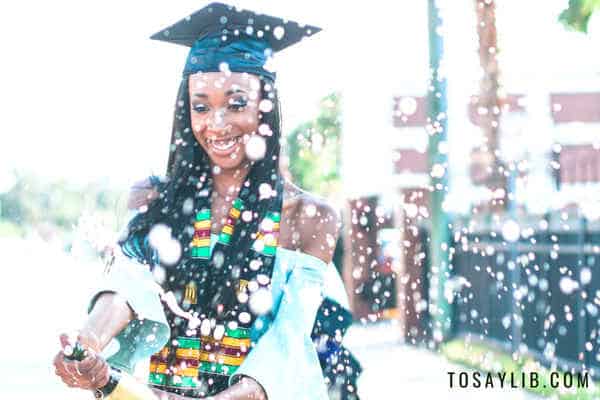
{"points": [[204, 356]]}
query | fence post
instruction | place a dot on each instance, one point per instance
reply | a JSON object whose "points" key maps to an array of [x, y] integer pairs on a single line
{"points": [[580, 311], [515, 272], [439, 306]]}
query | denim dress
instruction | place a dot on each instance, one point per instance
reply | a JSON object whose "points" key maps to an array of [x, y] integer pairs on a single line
{"points": [[284, 359]]}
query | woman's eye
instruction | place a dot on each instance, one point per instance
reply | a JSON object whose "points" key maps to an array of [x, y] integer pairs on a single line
{"points": [[237, 104], [200, 108]]}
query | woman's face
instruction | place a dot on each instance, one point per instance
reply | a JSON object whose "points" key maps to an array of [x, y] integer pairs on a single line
{"points": [[224, 115]]}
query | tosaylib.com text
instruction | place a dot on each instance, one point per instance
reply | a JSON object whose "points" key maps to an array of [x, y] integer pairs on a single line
{"points": [[517, 380]]}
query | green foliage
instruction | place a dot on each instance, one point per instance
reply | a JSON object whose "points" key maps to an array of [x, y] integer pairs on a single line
{"points": [[577, 15], [314, 149], [8, 229], [37, 204]]}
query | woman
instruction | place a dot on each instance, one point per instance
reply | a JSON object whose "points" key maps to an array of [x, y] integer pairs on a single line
{"points": [[241, 255]]}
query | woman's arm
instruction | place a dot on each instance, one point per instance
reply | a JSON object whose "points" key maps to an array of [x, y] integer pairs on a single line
{"points": [[108, 317], [318, 225], [127, 297]]}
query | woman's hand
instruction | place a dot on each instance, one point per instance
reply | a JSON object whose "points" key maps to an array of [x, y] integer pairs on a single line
{"points": [[90, 373]]}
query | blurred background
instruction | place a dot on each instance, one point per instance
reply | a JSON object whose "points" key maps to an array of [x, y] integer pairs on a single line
{"points": [[460, 139]]}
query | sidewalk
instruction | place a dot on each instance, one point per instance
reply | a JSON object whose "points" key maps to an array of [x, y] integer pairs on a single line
{"points": [[392, 370]]}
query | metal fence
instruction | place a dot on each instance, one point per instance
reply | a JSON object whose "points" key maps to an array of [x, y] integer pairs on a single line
{"points": [[540, 293]]}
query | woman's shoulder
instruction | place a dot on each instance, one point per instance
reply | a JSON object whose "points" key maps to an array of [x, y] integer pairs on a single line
{"points": [[141, 193], [314, 220]]}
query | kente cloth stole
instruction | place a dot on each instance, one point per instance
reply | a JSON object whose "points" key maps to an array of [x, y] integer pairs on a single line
{"points": [[201, 358]]}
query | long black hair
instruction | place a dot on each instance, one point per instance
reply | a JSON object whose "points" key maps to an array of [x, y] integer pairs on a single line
{"points": [[189, 181], [188, 176]]}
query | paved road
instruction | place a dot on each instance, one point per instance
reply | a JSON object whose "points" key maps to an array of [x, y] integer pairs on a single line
{"points": [[393, 370]]}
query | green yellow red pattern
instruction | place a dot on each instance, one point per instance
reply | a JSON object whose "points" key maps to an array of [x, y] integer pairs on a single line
{"points": [[180, 363], [194, 356], [268, 235], [234, 215], [200, 246]]}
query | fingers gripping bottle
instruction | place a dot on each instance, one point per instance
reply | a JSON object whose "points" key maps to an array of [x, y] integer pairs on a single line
{"points": [[120, 386]]}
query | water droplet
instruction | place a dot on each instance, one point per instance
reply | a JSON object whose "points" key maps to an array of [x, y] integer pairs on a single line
{"points": [[310, 210], [411, 210], [438, 171], [568, 285], [585, 276], [253, 286], [278, 32], [224, 67], [265, 130], [244, 317], [188, 206], [267, 225], [242, 297], [261, 301], [218, 259], [263, 279], [506, 321], [265, 191], [511, 231], [256, 147], [265, 105], [247, 216], [255, 265], [408, 105], [219, 332]]}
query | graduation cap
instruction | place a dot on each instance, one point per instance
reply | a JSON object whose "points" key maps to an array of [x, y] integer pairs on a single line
{"points": [[243, 40]]}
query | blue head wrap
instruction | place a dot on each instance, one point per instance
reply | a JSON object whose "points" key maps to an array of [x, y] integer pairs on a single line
{"points": [[240, 53]]}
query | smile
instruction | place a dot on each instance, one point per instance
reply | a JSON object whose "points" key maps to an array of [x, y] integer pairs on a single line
{"points": [[223, 145]]}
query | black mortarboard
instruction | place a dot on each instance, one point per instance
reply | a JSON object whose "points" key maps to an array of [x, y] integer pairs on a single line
{"points": [[244, 40]]}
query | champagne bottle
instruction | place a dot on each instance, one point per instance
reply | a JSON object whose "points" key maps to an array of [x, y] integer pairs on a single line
{"points": [[120, 386]]}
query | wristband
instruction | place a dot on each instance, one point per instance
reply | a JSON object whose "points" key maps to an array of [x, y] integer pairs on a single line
{"points": [[113, 381]]}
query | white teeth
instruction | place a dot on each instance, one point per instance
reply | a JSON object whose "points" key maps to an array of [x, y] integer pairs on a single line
{"points": [[223, 144]]}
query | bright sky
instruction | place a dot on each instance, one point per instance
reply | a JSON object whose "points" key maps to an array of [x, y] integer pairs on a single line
{"points": [[86, 94]]}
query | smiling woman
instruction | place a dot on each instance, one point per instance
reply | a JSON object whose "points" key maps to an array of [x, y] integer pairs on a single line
{"points": [[224, 115], [248, 303]]}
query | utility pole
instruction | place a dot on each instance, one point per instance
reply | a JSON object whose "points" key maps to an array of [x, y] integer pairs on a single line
{"points": [[439, 306]]}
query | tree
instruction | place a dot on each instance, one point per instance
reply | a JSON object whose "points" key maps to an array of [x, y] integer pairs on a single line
{"points": [[314, 150], [577, 15], [36, 203], [486, 164]]}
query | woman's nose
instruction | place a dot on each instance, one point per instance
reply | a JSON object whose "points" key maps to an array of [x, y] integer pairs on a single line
{"points": [[217, 119]]}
